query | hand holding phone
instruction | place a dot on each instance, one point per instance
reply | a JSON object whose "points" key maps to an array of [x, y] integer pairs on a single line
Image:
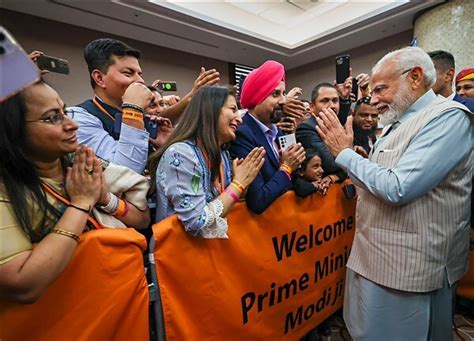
{"points": [[53, 64], [355, 89], [286, 141]]}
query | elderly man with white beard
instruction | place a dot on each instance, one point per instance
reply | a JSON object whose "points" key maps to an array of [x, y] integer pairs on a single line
{"points": [[412, 237]]}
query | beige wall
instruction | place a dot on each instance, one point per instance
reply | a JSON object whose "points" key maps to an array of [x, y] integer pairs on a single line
{"points": [[67, 41], [455, 35], [362, 60]]}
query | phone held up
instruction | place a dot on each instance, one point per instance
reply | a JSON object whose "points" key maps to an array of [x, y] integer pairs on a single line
{"points": [[151, 126], [355, 88], [17, 69], [286, 141], [53, 64], [342, 68], [167, 86]]}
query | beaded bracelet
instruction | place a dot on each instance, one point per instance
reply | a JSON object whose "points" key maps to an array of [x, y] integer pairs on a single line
{"points": [[127, 105], [67, 234]]}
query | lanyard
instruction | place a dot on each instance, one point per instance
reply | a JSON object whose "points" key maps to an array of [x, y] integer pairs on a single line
{"points": [[67, 202], [218, 183], [101, 108]]}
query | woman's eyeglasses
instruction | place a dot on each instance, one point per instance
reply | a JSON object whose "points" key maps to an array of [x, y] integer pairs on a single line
{"points": [[56, 118]]}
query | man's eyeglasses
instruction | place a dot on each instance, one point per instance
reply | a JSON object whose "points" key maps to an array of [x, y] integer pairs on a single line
{"points": [[380, 89], [57, 117]]}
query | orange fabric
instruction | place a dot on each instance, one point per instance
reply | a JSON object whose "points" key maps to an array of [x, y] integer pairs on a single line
{"points": [[466, 284], [67, 202], [206, 285], [101, 295]]}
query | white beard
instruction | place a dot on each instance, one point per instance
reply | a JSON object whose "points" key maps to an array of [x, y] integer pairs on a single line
{"points": [[400, 103]]}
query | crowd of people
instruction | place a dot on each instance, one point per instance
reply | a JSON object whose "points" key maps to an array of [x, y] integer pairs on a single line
{"points": [[65, 171]]}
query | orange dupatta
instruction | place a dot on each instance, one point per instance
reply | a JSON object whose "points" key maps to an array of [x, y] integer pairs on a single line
{"points": [[68, 203]]}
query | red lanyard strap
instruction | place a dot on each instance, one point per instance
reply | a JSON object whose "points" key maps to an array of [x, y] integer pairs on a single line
{"points": [[68, 203]]}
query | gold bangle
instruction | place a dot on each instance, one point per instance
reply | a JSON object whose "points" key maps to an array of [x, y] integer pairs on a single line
{"points": [[237, 189], [67, 234], [239, 185]]}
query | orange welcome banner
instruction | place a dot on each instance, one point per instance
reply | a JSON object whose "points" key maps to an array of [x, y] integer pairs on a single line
{"points": [[101, 295], [278, 275]]}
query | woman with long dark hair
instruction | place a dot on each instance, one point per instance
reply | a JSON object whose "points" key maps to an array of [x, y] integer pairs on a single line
{"points": [[194, 175], [45, 198]]}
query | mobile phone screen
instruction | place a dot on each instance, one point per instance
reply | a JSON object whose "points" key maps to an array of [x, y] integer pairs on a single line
{"points": [[17, 69]]}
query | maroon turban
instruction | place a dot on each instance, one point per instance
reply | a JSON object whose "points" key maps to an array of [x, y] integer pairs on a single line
{"points": [[260, 83]]}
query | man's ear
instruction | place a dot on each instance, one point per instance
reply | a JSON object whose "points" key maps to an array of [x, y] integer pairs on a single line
{"points": [[98, 78], [449, 76], [416, 75]]}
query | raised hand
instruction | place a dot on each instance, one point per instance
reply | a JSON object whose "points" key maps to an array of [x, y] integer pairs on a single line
{"points": [[334, 135], [84, 179], [293, 156], [363, 82], [361, 151], [295, 108], [206, 77], [170, 100], [165, 128], [138, 94], [34, 57], [287, 125], [345, 88], [294, 93], [245, 170]]}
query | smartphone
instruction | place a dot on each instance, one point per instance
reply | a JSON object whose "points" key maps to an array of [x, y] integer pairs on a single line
{"points": [[53, 64], [349, 191], [17, 70], [151, 126], [286, 141], [167, 86], [355, 87], [342, 68]]}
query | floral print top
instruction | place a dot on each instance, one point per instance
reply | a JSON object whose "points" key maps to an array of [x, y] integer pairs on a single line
{"points": [[183, 186]]}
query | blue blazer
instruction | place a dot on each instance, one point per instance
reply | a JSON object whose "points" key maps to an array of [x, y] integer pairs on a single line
{"points": [[468, 102], [270, 182]]}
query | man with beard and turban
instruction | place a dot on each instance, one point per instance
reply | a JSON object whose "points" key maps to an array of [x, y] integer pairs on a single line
{"points": [[412, 238], [263, 95]]}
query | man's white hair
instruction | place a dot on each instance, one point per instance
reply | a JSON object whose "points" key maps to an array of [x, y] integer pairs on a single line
{"points": [[408, 58]]}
